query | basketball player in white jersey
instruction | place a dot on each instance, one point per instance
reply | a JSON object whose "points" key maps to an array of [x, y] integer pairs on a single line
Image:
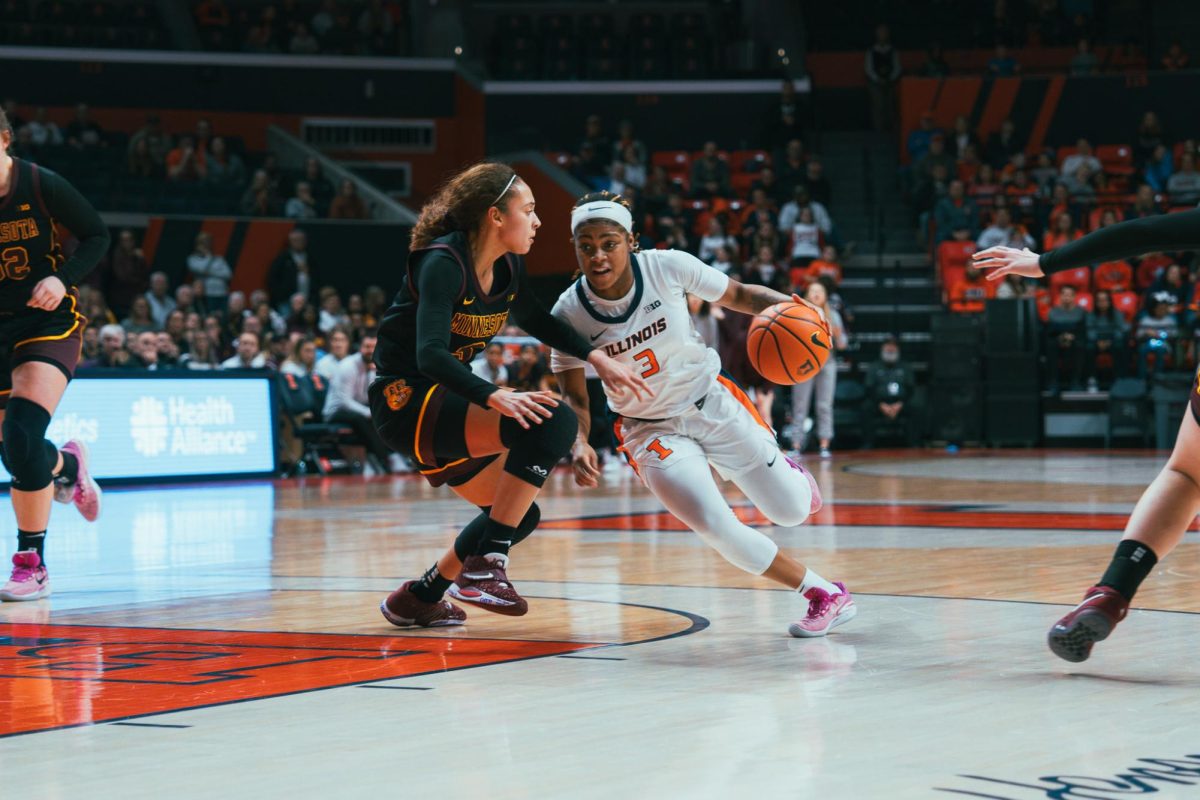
{"points": [[634, 306]]}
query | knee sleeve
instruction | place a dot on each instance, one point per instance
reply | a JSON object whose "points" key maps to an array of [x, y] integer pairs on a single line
{"points": [[780, 492], [468, 540], [533, 453], [25, 453], [744, 547]]}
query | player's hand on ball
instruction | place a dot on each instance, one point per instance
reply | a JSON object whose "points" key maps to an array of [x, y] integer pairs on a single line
{"points": [[998, 262], [820, 311], [618, 377], [49, 292], [586, 465], [524, 407]]}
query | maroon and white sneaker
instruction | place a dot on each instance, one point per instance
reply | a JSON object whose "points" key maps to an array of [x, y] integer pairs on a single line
{"points": [[816, 503], [483, 582], [84, 492], [404, 609], [29, 580], [825, 612], [1091, 621]]}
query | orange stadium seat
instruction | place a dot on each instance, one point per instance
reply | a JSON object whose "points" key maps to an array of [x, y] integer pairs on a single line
{"points": [[1128, 304], [1116, 158], [1080, 278]]}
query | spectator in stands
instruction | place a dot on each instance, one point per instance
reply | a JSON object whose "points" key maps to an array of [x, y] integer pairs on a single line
{"points": [[213, 271], [919, 140], [528, 373], [90, 350], [42, 130], [291, 272], [715, 237], [303, 43], [627, 144], [491, 367], [889, 383], [346, 401], [84, 132], [925, 198], [224, 168], [1174, 284], [882, 66], [767, 235], [158, 142], [185, 162], [962, 137], [1107, 333], [935, 65], [827, 266], [1002, 64], [201, 354], [323, 20], [634, 169], [348, 204], [791, 168], [1044, 173], [1066, 340], [1157, 335], [144, 348], [139, 319], [819, 187], [1079, 185], [823, 384], [1149, 136], [725, 259], [710, 173], [302, 359], [1003, 144], [1144, 203], [984, 187], [1014, 287], [169, 351], [1184, 184], [1002, 232], [130, 274], [789, 215], [176, 328], [302, 205], [140, 164], [322, 189], [1084, 61], [339, 348], [1082, 157], [970, 293], [185, 298], [248, 355], [955, 212], [1063, 231], [112, 349], [259, 199], [1176, 58], [769, 183], [161, 303], [376, 27], [594, 151], [805, 238], [1158, 167], [923, 169]]}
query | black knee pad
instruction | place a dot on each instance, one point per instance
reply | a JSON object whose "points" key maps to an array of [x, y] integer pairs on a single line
{"points": [[533, 453], [467, 541], [24, 453]]}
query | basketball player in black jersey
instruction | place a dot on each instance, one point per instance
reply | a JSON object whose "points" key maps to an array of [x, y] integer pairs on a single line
{"points": [[1171, 502], [495, 448], [41, 333]]}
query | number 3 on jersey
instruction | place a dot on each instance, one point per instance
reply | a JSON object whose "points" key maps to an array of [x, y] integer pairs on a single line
{"points": [[647, 358]]}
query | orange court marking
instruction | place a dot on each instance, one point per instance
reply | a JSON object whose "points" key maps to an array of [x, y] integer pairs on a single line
{"points": [[56, 676]]}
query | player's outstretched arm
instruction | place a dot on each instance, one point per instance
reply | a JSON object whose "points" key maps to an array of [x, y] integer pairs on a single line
{"points": [[754, 299], [583, 458]]}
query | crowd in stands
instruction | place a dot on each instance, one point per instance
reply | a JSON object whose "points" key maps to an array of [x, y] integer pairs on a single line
{"points": [[193, 171], [1122, 318], [95, 23], [305, 27]]}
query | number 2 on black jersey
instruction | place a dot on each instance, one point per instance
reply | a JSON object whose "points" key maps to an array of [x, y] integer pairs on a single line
{"points": [[14, 263]]}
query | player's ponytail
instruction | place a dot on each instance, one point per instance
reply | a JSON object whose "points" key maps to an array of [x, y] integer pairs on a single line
{"points": [[461, 202]]}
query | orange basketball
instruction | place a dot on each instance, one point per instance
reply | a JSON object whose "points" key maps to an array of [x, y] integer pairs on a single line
{"points": [[788, 343]]}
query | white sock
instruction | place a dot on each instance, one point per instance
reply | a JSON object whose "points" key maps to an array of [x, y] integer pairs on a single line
{"points": [[813, 580]]}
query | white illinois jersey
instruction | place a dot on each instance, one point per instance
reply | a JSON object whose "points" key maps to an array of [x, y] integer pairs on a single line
{"points": [[649, 329]]}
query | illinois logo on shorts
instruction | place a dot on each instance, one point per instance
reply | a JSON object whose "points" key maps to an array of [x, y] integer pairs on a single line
{"points": [[397, 394]]}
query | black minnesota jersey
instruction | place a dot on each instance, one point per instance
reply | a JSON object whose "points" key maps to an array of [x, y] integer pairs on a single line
{"points": [[29, 246]]}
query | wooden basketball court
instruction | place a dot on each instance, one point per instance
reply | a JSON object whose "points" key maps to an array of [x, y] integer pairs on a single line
{"points": [[225, 640]]}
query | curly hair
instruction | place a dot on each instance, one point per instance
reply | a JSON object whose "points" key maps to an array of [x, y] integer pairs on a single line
{"points": [[461, 202]]}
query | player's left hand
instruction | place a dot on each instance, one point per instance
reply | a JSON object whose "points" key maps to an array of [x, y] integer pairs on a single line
{"points": [[49, 292], [619, 377], [820, 311]]}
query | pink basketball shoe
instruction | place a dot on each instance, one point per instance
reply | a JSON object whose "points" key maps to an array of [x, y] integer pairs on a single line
{"points": [[84, 492], [29, 580], [825, 612]]}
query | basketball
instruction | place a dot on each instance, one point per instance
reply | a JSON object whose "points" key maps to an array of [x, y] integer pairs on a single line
{"points": [[788, 343]]}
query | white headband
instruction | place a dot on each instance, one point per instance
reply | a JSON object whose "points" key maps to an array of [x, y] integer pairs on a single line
{"points": [[602, 209], [507, 186]]}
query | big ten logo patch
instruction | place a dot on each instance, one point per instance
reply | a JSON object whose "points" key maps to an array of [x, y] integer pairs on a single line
{"points": [[66, 675], [397, 394]]}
